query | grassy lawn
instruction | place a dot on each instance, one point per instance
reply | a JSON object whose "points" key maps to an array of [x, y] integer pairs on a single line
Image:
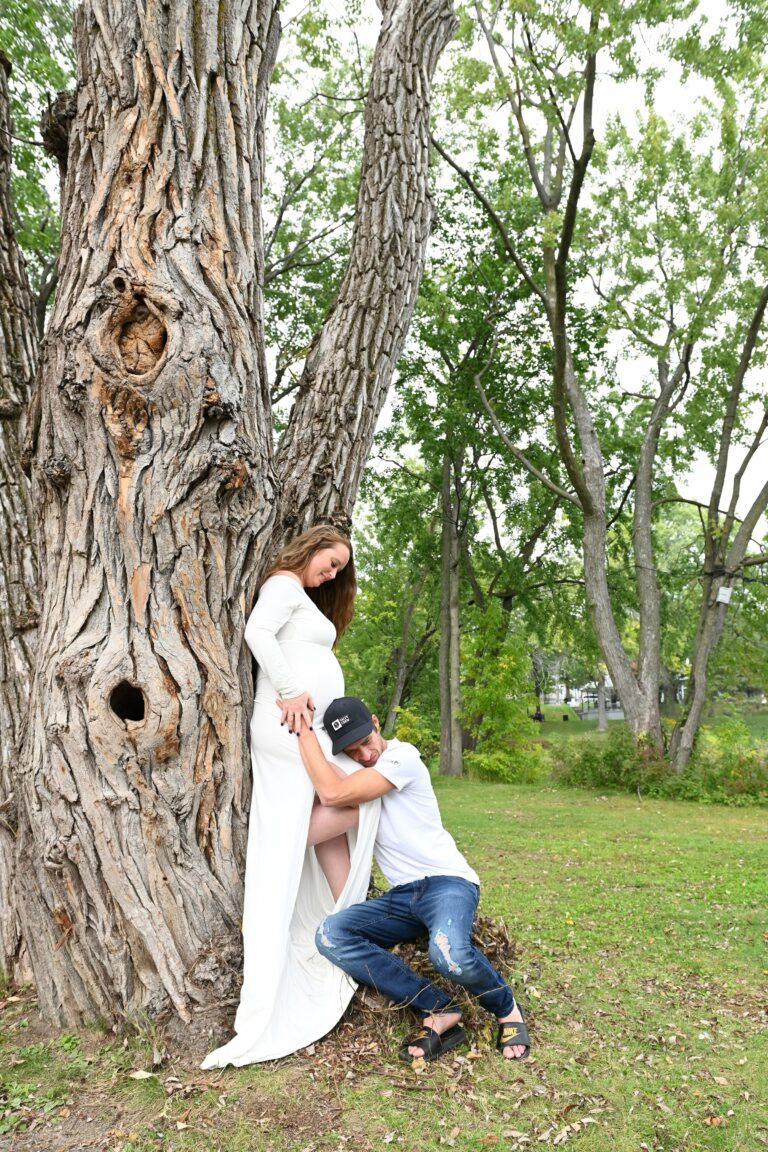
{"points": [[642, 964], [556, 727]]}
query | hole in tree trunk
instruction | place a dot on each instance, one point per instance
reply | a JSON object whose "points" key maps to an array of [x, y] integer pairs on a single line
{"points": [[127, 701]]}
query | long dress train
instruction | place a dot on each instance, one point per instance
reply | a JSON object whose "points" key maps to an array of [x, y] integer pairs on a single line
{"points": [[291, 995]]}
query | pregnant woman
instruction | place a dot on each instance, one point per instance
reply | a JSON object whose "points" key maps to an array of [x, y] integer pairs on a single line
{"points": [[291, 996]]}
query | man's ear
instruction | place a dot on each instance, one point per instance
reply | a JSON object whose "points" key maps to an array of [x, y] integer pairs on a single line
{"points": [[375, 719]]}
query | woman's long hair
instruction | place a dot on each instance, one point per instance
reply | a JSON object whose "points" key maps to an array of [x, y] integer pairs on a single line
{"points": [[335, 598]]}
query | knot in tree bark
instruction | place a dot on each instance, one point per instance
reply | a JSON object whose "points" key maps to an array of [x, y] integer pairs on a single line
{"points": [[142, 339]]}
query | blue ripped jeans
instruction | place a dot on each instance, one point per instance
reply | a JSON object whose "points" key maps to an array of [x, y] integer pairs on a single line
{"points": [[357, 938]]}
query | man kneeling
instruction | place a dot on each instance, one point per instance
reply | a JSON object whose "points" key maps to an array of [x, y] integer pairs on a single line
{"points": [[433, 888]]}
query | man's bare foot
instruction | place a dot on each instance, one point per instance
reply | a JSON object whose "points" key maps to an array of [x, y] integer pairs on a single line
{"points": [[513, 1051], [438, 1024]]}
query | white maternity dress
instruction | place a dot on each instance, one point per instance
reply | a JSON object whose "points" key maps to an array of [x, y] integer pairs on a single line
{"points": [[291, 995]]}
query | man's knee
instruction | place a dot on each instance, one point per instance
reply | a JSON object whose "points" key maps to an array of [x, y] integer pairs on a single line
{"points": [[450, 955], [324, 937]]}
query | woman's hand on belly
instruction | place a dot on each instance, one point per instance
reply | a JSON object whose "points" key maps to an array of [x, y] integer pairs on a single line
{"points": [[296, 709]]}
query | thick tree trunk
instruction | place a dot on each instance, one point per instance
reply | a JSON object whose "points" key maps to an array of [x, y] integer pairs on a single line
{"points": [[154, 475], [153, 479], [18, 557], [450, 664], [639, 702], [350, 365]]}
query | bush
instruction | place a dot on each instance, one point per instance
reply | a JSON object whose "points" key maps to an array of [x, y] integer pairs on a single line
{"points": [[726, 768], [611, 761], [413, 729], [518, 764]]}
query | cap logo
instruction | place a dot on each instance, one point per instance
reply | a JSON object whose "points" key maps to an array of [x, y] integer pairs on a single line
{"points": [[337, 724]]}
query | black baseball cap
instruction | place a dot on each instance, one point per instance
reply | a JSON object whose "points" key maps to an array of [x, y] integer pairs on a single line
{"points": [[346, 720]]}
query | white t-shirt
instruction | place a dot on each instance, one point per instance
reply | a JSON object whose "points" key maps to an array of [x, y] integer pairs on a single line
{"points": [[411, 842]]}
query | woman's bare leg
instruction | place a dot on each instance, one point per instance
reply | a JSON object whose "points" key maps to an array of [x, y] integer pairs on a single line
{"points": [[333, 857], [327, 834]]}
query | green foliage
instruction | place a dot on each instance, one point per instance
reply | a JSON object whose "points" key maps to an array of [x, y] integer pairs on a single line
{"points": [[21, 1104], [521, 762], [727, 766], [496, 694], [35, 35], [396, 561], [420, 731], [668, 252], [313, 156]]}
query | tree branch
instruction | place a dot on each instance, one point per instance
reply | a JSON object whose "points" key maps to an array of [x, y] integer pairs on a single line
{"points": [[516, 105], [497, 222], [516, 452]]}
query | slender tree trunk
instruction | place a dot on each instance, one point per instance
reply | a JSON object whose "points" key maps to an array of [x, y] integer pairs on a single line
{"points": [[669, 705], [18, 553], [450, 663], [401, 659], [716, 595], [412, 665], [723, 554], [153, 471], [711, 623], [602, 713], [538, 680]]}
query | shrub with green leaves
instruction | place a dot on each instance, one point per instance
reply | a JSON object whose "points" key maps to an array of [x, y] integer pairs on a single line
{"points": [[419, 731], [520, 763], [727, 766]]}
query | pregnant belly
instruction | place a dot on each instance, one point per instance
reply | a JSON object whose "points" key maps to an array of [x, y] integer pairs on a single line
{"points": [[315, 667]]}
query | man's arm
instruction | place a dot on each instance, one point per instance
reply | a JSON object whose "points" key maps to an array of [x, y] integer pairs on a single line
{"points": [[365, 784]]}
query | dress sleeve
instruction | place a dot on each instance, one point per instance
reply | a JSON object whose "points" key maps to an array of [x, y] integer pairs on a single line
{"points": [[277, 600]]}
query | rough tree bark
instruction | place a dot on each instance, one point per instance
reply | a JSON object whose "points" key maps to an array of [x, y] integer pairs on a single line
{"points": [[151, 467], [18, 555], [158, 490]]}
